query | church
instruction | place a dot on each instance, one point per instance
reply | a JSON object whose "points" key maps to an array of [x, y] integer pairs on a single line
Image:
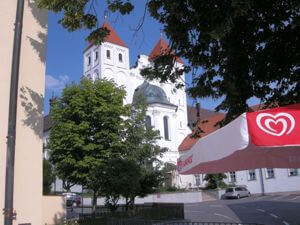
{"points": [[168, 113], [167, 106]]}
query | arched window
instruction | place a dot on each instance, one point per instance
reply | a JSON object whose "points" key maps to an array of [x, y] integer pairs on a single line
{"points": [[120, 57], [148, 122], [107, 54], [166, 128]]}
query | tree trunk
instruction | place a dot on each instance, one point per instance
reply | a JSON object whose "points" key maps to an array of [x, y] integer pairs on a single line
{"points": [[94, 204], [126, 204]]}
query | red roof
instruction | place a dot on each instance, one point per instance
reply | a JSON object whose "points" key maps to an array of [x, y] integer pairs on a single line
{"points": [[162, 48], [112, 37], [206, 125]]}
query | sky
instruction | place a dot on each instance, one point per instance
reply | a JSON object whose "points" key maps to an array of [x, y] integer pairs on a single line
{"points": [[64, 56]]}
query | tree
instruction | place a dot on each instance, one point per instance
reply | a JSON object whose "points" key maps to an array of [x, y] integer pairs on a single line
{"points": [[122, 177], [87, 131], [142, 148], [167, 174], [48, 176], [236, 49], [215, 180]]}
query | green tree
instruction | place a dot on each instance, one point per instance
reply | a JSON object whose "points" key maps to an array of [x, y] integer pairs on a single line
{"points": [[215, 180], [122, 177], [142, 147], [86, 132], [166, 171], [236, 49], [48, 176]]}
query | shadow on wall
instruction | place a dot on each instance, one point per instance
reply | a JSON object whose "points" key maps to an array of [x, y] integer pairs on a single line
{"points": [[59, 218], [39, 43], [32, 102]]}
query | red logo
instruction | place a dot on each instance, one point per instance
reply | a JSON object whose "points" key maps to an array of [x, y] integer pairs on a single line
{"points": [[181, 164], [275, 127]]}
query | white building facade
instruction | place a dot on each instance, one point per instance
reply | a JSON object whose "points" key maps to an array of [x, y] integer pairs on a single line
{"points": [[167, 106]]}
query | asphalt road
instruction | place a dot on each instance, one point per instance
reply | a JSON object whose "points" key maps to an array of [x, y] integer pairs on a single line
{"points": [[266, 210]]}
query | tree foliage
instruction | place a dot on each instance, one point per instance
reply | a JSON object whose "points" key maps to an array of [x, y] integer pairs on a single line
{"points": [[236, 49], [48, 176], [86, 132], [143, 149], [215, 180], [244, 48]]}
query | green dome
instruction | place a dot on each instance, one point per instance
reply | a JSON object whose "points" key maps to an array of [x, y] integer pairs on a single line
{"points": [[152, 93]]}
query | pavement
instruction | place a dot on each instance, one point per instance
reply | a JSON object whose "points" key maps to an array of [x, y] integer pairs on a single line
{"points": [[276, 209]]}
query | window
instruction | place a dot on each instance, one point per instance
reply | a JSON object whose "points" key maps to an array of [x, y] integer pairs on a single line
{"points": [[251, 175], [148, 122], [270, 173], [96, 56], [166, 128], [120, 57], [180, 124], [89, 60], [108, 54], [179, 103], [293, 172], [198, 180], [232, 177]]}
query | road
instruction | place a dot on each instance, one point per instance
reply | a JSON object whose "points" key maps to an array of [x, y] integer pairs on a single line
{"points": [[281, 209]]}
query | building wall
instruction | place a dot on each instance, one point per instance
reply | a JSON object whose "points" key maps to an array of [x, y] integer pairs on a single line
{"points": [[28, 157], [282, 181], [131, 78], [54, 210]]}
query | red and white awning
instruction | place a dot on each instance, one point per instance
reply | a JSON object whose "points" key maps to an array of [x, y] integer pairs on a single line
{"points": [[264, 139]]}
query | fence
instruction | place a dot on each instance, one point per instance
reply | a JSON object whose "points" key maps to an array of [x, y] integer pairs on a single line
{"points": [[154, 222]]}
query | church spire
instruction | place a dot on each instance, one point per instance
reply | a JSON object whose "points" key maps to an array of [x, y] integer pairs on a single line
{"points": [[113, 37], [162, 48]]}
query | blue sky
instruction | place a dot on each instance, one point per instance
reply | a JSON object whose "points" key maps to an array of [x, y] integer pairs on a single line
{"points": [[64, 58]]}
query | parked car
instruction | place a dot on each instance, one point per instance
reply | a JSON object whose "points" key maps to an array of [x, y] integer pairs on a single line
{"points": [[72, 199], [236, 192]]}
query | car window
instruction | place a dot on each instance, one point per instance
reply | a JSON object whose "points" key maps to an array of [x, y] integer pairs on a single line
{"points": [[229, 190], [238, 189]]}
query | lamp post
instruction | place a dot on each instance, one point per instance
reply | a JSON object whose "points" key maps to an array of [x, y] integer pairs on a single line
{"points": [[8, 211]]}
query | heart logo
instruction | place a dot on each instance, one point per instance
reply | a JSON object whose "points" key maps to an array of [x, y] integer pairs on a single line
{"points": [[264, 121]]}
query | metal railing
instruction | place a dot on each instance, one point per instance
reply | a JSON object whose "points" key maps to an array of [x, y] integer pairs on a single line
{"points": [[155, 222]]}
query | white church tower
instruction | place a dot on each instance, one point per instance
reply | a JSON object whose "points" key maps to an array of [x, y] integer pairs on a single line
{"points": [[109, 60], [167, 106]]}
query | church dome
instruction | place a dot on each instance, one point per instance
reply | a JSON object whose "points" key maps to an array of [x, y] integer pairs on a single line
{"points": [[152, 93]]}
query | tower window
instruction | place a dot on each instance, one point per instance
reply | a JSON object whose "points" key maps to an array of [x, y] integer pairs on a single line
{"points": [[108, 54], [120, 57], [96, 55], [89, 60], [148, 122], [166, 128]]}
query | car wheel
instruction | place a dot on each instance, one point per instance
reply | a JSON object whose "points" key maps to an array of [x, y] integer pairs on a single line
{"points": [[238, 196]]}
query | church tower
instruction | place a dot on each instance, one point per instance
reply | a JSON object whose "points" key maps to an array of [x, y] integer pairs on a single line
{"points": [[109, 60]]}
